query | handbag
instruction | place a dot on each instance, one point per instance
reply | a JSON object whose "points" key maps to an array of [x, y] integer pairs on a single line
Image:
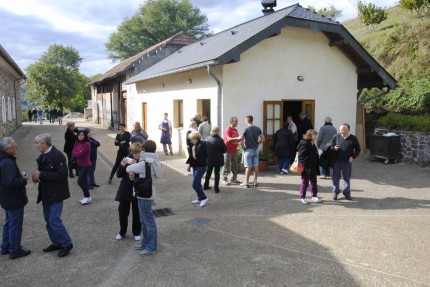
{"points": [[297, 167], [73, 164], [143, 186]]}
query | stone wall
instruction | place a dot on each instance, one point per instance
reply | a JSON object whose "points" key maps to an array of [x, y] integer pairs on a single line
{"points": [[415, 146], [7, 94]]}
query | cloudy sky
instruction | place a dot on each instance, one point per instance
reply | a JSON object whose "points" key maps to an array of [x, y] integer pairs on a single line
{"points": [[29, 27]]}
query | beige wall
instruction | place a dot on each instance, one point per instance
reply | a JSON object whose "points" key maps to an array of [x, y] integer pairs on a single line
{"points": [[269, 70], [161, 99]]}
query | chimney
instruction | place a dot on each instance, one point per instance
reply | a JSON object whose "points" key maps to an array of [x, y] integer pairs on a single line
{"points": [[268, 6]]}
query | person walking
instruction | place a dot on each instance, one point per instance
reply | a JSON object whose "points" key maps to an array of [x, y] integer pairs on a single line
{"points": [[198, 161], [193, 127], [231, 140], [166, 134], [70, 137], [308, 156], [34, 112], [40, 114], [81, 152], [138, 134], [252, 137], [93, 158], [125, 195], [326, 133], [60, 116], [205, 128], [284, 146], [345, 148], [53, 190], [122, 141], [29, 113], [215, 148], [293, 128], [148, 160], [13, 198]]}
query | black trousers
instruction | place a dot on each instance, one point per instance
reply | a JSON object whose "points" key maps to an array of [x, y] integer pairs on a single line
{"points": [[124, 211], [69, 157], [209, 174], [119, 157]]}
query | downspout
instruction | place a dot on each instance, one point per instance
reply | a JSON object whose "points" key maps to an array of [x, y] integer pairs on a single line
{"points": [[16, 102], [219, 86], [111, 109]]}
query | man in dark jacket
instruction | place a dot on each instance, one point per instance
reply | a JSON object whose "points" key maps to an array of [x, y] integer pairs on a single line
{"points": [[345, 148], [284, 146], [53, 190], [304, 125], [13, 198], [215, 148], [327, 132], [122, 141]]}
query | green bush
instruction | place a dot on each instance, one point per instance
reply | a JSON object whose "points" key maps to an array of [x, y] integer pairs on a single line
{"points": [[395, 121]]}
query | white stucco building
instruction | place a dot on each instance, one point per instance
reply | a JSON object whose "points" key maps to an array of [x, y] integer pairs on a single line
{"points": [[280, 64]]}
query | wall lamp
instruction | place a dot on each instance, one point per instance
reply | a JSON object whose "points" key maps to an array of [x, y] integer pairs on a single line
{"points": [[300, 78], [190, 81]]}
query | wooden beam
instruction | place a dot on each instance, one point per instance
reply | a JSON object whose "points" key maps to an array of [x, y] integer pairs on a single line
{"points": [[338, 43], [364, 70]]}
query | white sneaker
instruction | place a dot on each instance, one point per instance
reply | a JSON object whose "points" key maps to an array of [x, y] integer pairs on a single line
{"points": [[245, 184], [304, 201], [118, 237], [203, 202], [225, 182], [80, 201], [285, 170], [137, 238], [195, 201], [316, 199], [86, 200]]}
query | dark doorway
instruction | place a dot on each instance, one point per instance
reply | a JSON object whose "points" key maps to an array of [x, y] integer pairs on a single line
{"points": [[293, 109]]}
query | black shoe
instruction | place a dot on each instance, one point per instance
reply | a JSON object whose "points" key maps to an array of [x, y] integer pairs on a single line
{"points": [[110, 180], [206, 187], [217, 190], [64, 251], [52, 247], [90, 187], [21, 253], [335, 197], [347, 197], [71, 175], [95, 185], [5, 252]]}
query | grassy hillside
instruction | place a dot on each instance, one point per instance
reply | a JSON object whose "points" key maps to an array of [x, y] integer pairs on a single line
{"points": [[401, 44]]}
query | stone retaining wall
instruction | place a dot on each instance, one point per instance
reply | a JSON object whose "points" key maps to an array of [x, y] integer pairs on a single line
{"points": [[415, 145]]}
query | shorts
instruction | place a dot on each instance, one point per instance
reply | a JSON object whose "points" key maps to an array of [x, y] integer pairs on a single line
{"points": [[250, 157]]}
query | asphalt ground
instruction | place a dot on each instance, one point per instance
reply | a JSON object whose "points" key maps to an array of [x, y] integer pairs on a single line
{"points": [[244, 236]]}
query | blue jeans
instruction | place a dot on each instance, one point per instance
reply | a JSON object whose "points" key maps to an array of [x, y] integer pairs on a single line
{"points": [[12, 230], [91, 180], [56, 230], [83, 179], [284, 163], [345, 168], [149, 227], [198, 173]]}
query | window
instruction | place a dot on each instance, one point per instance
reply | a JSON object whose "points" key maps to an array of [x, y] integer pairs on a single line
{"points": [[13, 109], [204, 108], [178, 113]]}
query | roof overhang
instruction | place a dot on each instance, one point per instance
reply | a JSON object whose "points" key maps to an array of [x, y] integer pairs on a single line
{"points": [[4, 54]]}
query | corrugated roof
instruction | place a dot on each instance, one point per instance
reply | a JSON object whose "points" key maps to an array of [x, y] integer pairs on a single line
{"points": [[227, 46], [5, 55], [179, 39]]}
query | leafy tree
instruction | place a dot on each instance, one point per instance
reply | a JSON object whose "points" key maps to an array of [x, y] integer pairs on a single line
{"points": [[330, 12], [370, 14], [55, 78], [155, 21], [420, 7]]}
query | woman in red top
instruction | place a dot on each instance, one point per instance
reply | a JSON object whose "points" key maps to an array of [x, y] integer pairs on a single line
{"points": [[81, 151]]}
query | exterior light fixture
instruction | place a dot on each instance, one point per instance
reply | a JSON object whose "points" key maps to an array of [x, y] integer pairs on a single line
{"points": [[190, 81], [300, 78]]}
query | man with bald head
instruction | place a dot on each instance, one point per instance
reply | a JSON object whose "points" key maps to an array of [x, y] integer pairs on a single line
{"points": [[345, 148]]}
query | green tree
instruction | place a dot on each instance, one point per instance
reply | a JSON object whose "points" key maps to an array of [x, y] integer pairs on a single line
{"points": [[370, 14], [55, 78], [155, 21], [420, 7], [330, 12]]}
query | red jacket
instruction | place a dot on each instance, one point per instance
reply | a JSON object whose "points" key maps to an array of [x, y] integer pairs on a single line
{"points": [[81, 151]]}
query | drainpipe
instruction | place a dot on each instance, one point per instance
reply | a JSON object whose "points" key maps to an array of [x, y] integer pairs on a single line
{"points": [[111, 109], [219, 86], [16, 102]]}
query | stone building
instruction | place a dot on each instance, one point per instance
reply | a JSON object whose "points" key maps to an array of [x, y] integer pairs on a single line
{"points": [[11, 77]]}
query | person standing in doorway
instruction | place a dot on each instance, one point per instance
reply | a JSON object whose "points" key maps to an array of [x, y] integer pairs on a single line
{"points": [[205, 128], [327, 132], [346, 148], [252, 137], [231, 140], [53, 190], [215, 148], [284, 147], [13, 198], [122, 141], [304, 124], [166, 134]]}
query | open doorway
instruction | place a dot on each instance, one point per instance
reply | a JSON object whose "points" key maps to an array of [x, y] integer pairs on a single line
{"points": [[292, 108]]}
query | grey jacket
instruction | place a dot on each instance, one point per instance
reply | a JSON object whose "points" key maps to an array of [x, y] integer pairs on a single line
{"points": [[156, 169], [327, 132], [205, 130]]}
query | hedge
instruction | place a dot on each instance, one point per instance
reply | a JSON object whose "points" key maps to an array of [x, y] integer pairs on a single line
{"points": [[394, 121]]}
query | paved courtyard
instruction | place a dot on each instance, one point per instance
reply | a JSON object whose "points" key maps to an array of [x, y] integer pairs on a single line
{"points": [[244, 237]]}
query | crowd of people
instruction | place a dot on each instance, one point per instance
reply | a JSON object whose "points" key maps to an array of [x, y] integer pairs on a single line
{"points": [[137, 164], [52, 115]]}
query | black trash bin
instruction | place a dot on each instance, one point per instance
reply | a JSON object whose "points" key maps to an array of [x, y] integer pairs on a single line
{"points": [[383, 147]]}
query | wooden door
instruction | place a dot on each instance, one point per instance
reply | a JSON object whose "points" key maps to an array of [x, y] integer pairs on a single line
{"points": [[272, 121], [308, 107], [144, 117]]}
